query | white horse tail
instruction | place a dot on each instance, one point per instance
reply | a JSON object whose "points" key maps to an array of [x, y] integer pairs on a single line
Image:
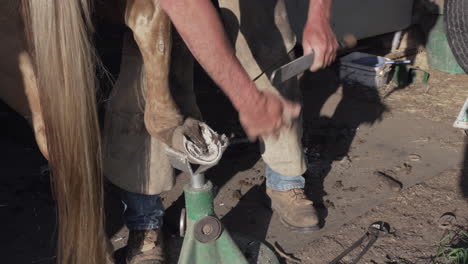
{"points": [[59, 33]]}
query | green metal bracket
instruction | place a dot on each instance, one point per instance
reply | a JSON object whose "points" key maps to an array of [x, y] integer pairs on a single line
{"points": [[223, 250]]}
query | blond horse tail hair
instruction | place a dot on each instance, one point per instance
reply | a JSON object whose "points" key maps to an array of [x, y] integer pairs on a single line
{"points": [[58, 33]]}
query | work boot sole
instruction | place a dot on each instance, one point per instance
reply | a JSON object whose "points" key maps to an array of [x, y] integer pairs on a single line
{"points": [[299, 229]]}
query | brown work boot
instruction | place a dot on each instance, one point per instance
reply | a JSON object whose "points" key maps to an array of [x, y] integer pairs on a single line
{"points": [[296, 212], [145, 247]]}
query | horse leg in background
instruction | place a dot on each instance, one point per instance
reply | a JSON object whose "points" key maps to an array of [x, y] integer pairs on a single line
{"points": [[32, 94], [19, 84], [152, 32]]}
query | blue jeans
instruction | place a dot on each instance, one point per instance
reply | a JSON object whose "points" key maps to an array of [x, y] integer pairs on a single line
{"points": [[144, 212], [280, 182]]}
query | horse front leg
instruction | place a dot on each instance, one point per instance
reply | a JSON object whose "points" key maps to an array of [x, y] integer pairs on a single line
{"points": [[21, 93], [152, 32], [32, 94], [19, 88]]}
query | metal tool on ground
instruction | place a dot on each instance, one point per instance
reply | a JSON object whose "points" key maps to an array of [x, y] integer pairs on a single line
{"points": [[373, 233], [462, 118], [303, 63], [205, 239]]}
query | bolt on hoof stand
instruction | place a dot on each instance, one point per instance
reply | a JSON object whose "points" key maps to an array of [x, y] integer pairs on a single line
{"points": [[205, 240]]}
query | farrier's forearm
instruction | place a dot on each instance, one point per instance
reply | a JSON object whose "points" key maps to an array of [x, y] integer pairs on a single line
{"points": [[200, 26], [319, 9]]}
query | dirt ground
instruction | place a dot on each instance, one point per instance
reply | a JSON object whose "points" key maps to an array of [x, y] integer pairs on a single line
{"points": [[415, 213], [414, 216], [355, 138]]}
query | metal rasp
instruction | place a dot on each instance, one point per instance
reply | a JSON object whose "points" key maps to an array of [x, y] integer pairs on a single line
{"points": [[292, 69], [303, 63]]}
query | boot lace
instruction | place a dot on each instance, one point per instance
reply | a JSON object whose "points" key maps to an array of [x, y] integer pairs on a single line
{"points": [[298, 194]]}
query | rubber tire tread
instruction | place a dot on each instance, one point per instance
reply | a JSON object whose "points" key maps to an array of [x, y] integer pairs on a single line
{"points": [[456, 26]]}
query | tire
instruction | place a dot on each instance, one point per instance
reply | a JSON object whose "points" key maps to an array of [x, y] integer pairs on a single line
{"points": [[456, 23]]}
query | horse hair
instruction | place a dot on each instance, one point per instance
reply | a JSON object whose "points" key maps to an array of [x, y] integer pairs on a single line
{"points": [[59, 38]]}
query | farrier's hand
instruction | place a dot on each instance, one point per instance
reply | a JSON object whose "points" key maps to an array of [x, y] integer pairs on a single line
{"points": [[319, 36], [267, 115]]}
